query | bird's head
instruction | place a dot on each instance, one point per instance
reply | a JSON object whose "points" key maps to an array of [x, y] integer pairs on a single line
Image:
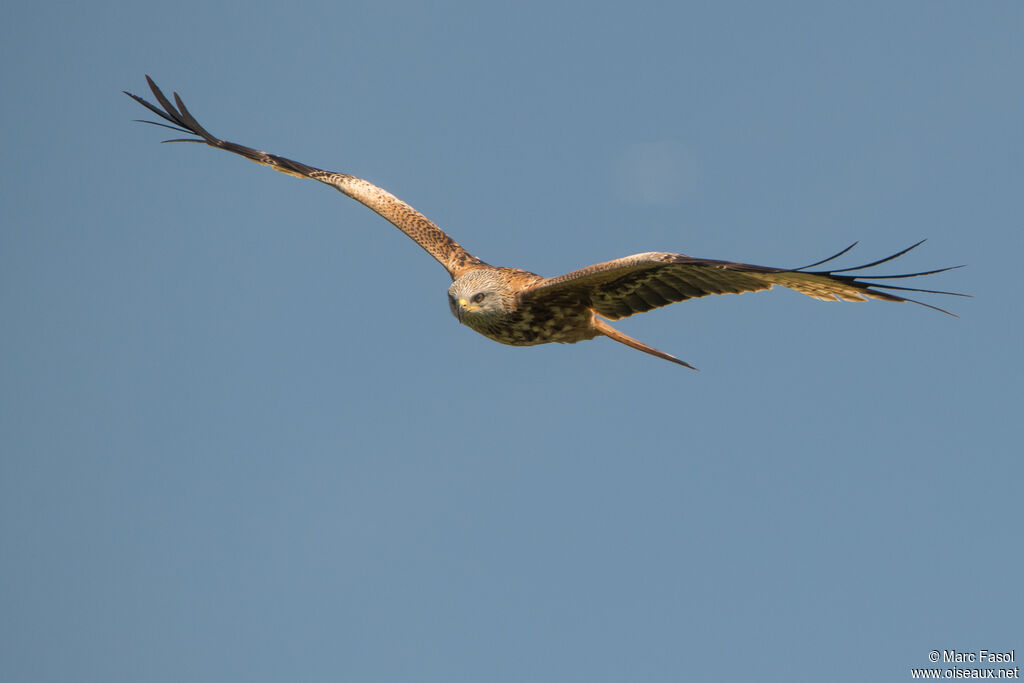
{"points": [[480, 297]]}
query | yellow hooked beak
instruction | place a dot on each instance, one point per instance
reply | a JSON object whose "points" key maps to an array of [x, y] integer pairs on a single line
{"points": [[466, 306]]}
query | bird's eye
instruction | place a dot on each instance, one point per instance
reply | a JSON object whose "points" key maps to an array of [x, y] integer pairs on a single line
{"points": [[478, 297]]}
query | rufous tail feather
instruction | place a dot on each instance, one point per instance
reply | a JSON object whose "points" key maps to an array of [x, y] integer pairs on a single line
{"points": [[612, 333]]}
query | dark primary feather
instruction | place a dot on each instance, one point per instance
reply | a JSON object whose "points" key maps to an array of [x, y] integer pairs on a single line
{"points": [[830, 258], [634, 284], [184, 122], [875, 263]]}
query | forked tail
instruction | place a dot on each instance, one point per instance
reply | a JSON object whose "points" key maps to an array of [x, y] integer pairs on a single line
{"points": [[612, 333]]}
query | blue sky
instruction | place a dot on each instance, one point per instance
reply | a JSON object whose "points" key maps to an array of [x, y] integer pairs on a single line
{"points": [[244, 439]]}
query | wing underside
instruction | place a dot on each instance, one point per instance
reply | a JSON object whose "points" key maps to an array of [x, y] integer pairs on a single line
{"points": [[418, 227]]}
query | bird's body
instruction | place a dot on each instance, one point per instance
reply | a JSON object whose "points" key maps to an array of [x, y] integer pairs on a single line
{"points": [[520, 308], [502, 315], [505, 315]]}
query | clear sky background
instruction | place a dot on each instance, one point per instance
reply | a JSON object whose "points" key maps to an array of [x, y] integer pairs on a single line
{"points": [[243, 439]]}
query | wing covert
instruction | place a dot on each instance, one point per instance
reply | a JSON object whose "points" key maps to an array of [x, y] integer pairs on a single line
{"points": [[635, 284]]}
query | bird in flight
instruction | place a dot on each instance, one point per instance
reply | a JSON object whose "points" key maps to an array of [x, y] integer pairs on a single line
{"points": [[520, 308]]}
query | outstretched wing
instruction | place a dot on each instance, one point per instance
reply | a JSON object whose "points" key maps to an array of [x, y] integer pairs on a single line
{"points": [[638, 283], [435, 241]]}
